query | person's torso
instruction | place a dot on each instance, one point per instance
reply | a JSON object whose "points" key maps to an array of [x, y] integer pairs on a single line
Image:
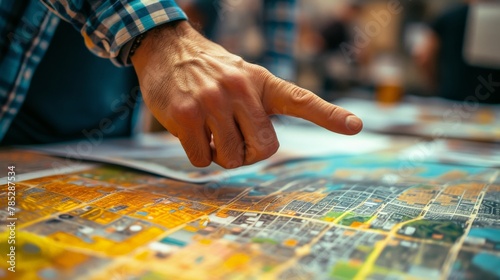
{"points": [[74, 95]]}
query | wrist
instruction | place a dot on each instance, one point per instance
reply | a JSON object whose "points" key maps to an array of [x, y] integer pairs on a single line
{"points": [[157, 39]]}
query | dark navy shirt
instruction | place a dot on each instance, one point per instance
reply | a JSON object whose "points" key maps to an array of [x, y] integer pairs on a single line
{"points": [[75, 95]]}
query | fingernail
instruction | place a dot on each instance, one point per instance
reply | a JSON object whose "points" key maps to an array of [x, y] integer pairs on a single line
{"points": [[353, 123]]}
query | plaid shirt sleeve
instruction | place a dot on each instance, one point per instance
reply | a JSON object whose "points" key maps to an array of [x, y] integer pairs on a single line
{"points": [[107, 26], [26, 28]]}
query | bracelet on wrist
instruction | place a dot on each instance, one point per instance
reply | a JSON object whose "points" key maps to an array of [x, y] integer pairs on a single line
{"points": [[136, 44]]}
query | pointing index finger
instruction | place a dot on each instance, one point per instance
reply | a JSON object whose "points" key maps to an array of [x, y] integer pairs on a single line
{"points": [[282, 97]]}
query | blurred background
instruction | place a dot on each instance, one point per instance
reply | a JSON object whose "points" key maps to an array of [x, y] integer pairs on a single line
{"points": [[381, 50]]}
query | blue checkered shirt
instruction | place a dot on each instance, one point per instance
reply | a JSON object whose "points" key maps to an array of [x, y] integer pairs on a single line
{"points": [[27, 26]]}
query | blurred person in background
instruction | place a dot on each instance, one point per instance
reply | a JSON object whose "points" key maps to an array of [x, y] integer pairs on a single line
{"points": [[337, 31], [441, 59]]}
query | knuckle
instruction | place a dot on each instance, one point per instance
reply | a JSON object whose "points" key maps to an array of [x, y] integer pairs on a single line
{"points": [[260, 122], [187, 111], [236, 78], [300, 96], [233, 161], [239, 61], [273, 147], [266, 136], [267, 150], [231, 164], [236, 61], [212, 96], [333, 112], [210, 91], [199, 162], [262, 149], [259, 70], [231, 155], [260, 73], [251, 155], [194, 152]]}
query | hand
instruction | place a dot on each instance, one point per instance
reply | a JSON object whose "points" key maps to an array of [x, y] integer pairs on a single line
{"points": [[217, 104]]}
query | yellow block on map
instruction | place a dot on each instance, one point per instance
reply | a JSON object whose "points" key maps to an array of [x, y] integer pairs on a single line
{"points": [[290, 242], [237, 260]]}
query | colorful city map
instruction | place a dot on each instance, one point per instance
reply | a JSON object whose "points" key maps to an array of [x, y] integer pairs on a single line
{"points": [[344, 217]]}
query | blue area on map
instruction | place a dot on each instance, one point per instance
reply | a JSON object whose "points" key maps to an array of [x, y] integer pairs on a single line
{"points": [[173, 241], [488, 262], [48, 273], [492, 234], [326, 166], [425, 170], [256, 193], [333, 187]]}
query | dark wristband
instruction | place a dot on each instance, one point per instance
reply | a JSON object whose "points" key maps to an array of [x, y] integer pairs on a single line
{"points": [[136, 44]]}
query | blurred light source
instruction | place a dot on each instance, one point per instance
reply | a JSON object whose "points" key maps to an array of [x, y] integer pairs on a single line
{"points": [[387, 75], [482, 37]]}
